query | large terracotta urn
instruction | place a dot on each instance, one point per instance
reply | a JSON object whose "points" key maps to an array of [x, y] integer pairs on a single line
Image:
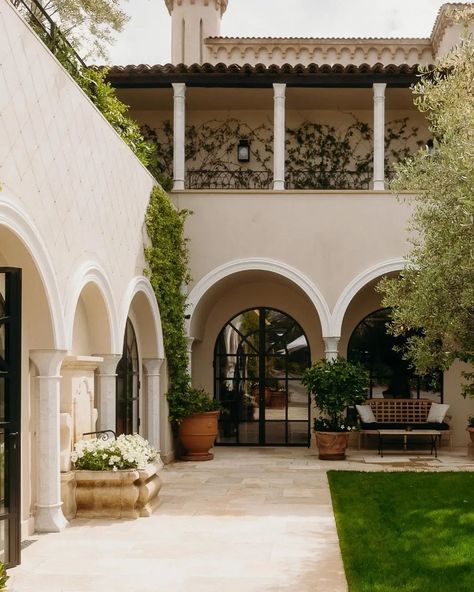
{"points": [[332, 445], [471, 433], [197, 434]]}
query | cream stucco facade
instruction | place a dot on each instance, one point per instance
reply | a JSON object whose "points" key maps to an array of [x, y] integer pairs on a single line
{"points": [[313, 249]]}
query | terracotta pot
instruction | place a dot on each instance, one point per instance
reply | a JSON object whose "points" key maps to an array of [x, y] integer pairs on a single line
{"points": [[471, 433], [197, 434], [332, 445]]}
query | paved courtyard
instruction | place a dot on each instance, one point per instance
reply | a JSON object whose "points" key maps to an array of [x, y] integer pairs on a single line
{"points": [[253, 520]]}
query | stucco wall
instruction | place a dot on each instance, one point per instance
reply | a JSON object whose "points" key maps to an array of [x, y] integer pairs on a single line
{"points": [[72, 204]]}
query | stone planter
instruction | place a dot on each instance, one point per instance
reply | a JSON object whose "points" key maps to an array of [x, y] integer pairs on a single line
{"points": [[197, 434], [471, 433], [332, 445], [117, 494]]}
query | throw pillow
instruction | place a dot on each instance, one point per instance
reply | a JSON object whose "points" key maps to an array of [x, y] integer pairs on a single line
{"points": [[437, 412], [366, 413]]}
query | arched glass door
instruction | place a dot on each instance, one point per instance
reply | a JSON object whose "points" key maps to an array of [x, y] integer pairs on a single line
{"points": [[259, 359], [10, 414], [128, 385], [390, 375]]}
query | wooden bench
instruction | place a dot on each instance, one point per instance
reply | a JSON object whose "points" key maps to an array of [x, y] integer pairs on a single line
{"points": [[405, 412]]}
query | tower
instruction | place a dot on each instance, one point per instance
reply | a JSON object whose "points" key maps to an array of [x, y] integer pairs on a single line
{"points": [[191, 22]]}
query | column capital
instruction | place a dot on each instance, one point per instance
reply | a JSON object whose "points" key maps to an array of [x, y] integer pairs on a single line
{"points": [[152, 366], [179, 89], [108, 367], [331, 348], [279, 90], [48, 361], [379, 90]]}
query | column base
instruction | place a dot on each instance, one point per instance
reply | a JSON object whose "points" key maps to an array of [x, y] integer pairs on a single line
{"points": [[379, 185], [50, 519], [278, 185]]}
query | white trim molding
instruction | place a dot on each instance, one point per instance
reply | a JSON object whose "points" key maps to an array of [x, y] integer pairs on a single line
{"points": [[378, 270], [141, 284], [13, 217], [261, 264], [91, 273]]}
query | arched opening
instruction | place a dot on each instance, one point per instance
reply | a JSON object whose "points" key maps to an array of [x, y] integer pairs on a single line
{"points": [[390, 375], [92, 332], [128, 385], [259, 358]]}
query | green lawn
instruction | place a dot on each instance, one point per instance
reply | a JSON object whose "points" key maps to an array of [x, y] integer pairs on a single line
{"points": [[405, 531]]}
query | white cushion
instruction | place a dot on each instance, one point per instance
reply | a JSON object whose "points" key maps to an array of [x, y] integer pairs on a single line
{"points": [[366, 413], [437, 412]]}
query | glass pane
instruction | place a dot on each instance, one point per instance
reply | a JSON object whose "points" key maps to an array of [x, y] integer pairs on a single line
{"points": [[3, 473], [275, 399], [3, 410], [248, 432], [4, 541], [297, 401], [298, 432], [275, 432]]}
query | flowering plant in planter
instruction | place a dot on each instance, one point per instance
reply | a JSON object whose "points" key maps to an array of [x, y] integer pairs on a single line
{"points": [[3, 576], [126, 452]]}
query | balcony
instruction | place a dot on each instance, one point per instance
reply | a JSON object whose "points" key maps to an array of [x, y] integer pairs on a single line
{"points": [[310, 179]]}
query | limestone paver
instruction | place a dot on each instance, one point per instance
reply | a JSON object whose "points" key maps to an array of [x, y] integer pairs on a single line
{"points": [[257, 519]]}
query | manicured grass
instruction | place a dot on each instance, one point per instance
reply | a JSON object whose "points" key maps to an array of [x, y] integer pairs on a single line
{"points": [[405, 532]]}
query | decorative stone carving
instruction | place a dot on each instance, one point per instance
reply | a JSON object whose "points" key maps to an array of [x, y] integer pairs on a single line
{"points": [[118, 494]]}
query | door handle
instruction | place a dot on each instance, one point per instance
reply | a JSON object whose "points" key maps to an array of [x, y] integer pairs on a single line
{"points": [[13, 436]]}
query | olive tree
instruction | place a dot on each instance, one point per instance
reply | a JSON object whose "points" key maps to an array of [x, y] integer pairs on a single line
{"points": [[433, 299]]}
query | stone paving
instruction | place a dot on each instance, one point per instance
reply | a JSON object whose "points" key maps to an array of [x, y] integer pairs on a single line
{"points": [[253, 520]]}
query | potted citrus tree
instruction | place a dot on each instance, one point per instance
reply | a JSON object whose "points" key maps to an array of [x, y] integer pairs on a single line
{"points": [[194, 413], [335, 385]]}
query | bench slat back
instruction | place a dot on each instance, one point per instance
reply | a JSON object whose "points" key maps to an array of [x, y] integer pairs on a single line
{"points": [[400, 410]]}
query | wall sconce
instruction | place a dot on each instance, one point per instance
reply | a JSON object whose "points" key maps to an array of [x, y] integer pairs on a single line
{"points": [[243, 151]]}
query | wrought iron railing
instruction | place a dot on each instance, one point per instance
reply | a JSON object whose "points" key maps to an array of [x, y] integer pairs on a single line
{"points": [[49, 32], [238, 179], [322, 179]]}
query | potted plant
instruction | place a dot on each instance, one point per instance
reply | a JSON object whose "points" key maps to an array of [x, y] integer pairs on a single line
{"points": [[335, 385], [195, 413], [116, 478], [470, 427], [3, 577]]}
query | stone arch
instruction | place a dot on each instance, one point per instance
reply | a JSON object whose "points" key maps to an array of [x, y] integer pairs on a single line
{"points": [[351, 290], [91, 317], [265, 265], [26, 248], [141, 300]]}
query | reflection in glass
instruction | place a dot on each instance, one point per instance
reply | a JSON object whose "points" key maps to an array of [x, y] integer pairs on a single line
{"points": [[127, 391], [3, 472], [4, 541], [259, 357], [390, 375]]}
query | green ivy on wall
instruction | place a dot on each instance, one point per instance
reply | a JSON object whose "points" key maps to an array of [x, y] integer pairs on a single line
{"points": [[317, 155], [167, 260]]}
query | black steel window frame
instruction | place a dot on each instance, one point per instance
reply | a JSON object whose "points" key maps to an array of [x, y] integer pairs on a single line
{"points": [[261, 355], [128, 384], [10, 372]]}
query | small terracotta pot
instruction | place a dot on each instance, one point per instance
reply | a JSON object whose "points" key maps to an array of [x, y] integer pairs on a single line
{"points": [[471, 433], [332, 445], [197, 434]]}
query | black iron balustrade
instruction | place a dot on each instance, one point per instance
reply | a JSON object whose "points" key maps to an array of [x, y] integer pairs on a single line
{"points": [[327, 180], [224, 179], [48, 31]]}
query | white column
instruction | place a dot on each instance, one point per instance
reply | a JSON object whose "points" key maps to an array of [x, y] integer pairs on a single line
{"points": [[379, 136], [190, 355], [331, 348], [279, 137], [179, 130], [106, 388], [152, 368], [49, 515]]}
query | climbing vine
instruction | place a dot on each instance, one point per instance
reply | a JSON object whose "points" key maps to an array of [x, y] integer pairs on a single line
{"points": [[167, 258], [318, 155]]}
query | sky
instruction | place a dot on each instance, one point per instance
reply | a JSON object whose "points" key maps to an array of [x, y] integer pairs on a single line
{"points": [[146, 37]]}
